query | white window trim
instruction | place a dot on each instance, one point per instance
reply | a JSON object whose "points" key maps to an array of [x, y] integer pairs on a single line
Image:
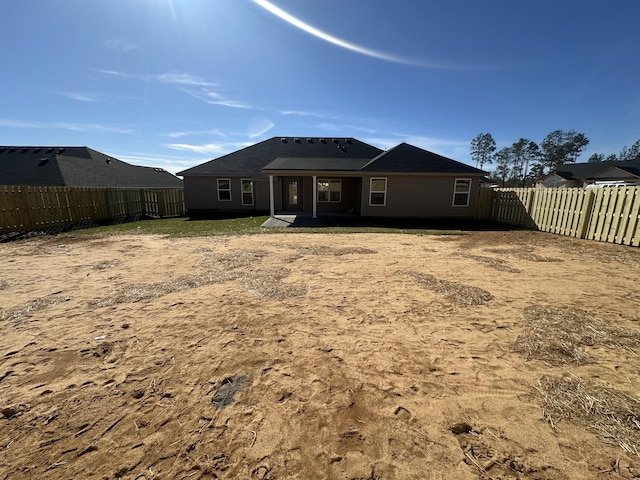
{"points": [[329, 180], [455, 184], [223, 189], [372, 191], [242, 192]]}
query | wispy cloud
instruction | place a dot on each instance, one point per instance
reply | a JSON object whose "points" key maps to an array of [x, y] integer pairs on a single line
{"points": [[196, 132], [215, 98], [302, 113], [258, 126], [76, 127], [305, 27], [120, 45], [209, 92], [176, 78], [207, 148]]}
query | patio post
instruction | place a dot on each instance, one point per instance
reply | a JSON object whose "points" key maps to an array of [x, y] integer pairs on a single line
{"points": [[315, 196], [272, 206]]}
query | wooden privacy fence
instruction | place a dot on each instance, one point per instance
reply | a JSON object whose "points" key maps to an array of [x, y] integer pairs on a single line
{"points": [[602, 214], [26, 209]]}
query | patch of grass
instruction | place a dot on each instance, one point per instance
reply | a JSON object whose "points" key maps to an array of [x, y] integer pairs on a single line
{"points": [[612, 415], [181, 227], [246, 225]]}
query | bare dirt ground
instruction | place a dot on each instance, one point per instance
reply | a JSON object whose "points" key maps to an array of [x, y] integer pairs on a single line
{"points": [[505, 355]]}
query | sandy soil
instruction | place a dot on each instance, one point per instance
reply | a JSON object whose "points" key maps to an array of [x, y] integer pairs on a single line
{"points": [[304, 356]]}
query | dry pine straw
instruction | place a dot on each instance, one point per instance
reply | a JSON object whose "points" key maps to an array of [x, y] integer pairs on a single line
{"points": [[328, 251], [492, 262], [557, 335], [456, 292], [612, 415]]}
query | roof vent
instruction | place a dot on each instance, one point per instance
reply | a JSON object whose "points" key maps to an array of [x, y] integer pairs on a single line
{"points": [[310, 140], [297, 140], [11, 150], [348, 140], [336, 141], [108, 160], [25, 150], [60, 150], [43, 161], [283, 140], [322, 140], [36, 150], [49, 150]]}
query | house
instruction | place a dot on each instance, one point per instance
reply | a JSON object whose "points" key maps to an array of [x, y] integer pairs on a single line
{"points": [[593, 174], [77, 167], [320, 176]]}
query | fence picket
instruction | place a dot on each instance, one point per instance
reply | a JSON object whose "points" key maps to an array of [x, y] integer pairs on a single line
{"points": [[608, 214], [28, 208]]}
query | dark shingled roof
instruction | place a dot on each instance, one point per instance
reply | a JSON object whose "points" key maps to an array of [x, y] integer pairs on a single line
{"points": [[582, 171], [406, 158], [77, 167], [318, 164], [251, 160]]}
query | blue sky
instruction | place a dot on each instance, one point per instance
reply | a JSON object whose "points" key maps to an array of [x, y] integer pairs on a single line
{"points": [[173, 83]]}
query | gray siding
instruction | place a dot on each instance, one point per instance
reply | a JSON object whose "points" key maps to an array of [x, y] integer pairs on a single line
{"points": [[418, 196], [201, 194]]}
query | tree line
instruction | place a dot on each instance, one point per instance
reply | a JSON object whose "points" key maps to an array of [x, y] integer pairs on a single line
{"points": [[524, 161]]}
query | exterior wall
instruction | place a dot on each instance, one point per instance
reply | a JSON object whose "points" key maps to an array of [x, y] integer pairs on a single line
{"points": [[201, 195], [419, 196]]}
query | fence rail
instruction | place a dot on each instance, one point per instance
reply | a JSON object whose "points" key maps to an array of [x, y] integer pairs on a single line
{"points": [[602, 214], [27, 209]]}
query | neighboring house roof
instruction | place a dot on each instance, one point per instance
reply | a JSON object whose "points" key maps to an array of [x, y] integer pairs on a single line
{"points": [[407, 158], [77, 167], [251, 160], [582, 171]]}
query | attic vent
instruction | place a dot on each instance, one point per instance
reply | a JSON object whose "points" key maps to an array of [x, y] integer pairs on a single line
{"points": [[43, 161], [36, 150], [11, 150], [60, 150], [159, 169], [108, 160], [336, 141], [310, 140], [49, 150], [348, 140], [297, 140], [25, 150], [283, 140], [322, 140]]}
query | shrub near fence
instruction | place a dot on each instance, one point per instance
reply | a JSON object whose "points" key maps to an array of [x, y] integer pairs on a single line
{"points": [[26, 209], [602, 214]]}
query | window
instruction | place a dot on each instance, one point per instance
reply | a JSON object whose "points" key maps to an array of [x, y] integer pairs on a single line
{"points": [[224, 189], [461, 192], [247, 191], [329, 190], [378, 192]]}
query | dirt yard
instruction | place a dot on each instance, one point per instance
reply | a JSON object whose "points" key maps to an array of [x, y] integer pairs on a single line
{"points": [[504, 355]]}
